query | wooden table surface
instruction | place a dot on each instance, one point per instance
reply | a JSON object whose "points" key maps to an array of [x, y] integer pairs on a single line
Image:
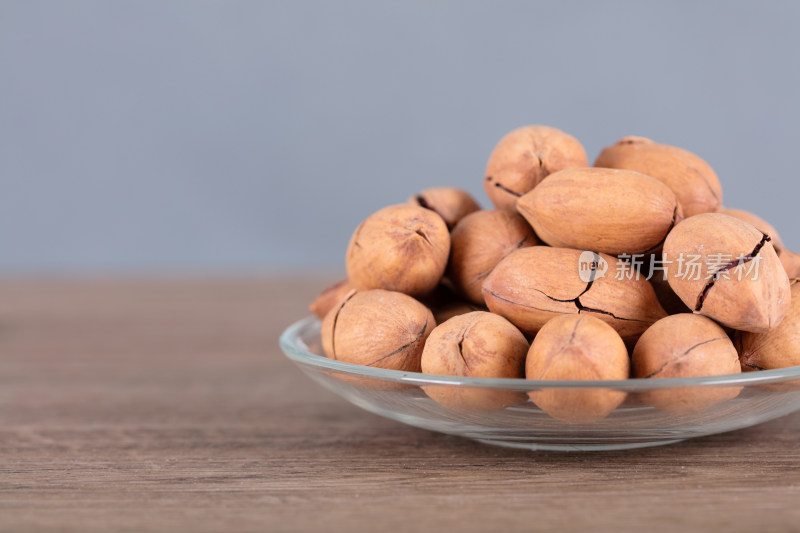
{"points": [[167, 405]]}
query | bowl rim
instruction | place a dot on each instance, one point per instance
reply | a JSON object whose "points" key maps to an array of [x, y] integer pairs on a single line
{"points": [[292, 344]]}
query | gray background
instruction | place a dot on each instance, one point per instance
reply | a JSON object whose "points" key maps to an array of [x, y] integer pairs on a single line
{"points": [[254, 136]]}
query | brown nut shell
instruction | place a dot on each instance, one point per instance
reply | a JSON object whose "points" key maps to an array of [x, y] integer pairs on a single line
{"points": [[692, 180], [450, 203], [606, 210], [533, 285], [577, 347], [400, 248], [789, 259], [790, 262], [718, 244], [682, 346], [526, 156], [378, 328], [754, 220], [480, 241], [476, 344], [329, 297], [777, 348]]}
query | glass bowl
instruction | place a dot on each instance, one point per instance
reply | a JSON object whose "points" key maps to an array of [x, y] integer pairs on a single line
{"points": [[404, 396]]}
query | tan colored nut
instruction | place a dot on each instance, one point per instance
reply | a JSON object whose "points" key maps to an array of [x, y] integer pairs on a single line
{"points": [[682, 346], [760, 224], [450, 203], [526, 156], [533, 285], [476, 344], [691, 179], [400, 248], [329, 297], [725, 250], [777, 348], [577, 348], [789, 259], [479, 242], [790, 262], [606, 210], [377, 328]]}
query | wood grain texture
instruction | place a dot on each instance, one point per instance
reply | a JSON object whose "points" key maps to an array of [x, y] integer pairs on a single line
{"points": [[166, 405]]}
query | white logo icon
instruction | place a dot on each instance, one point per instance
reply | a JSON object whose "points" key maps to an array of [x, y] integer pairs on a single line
{"points": [[591, 266]]}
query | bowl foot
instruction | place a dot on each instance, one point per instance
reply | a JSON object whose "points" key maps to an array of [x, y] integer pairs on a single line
{"points": [[577, 447]]}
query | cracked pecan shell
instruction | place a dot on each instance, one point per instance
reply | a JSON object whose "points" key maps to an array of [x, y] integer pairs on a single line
{"points": [[400, 248], [476, 344], [777, 348], [526, 156], [533, 285], [790, 262], [727, 249], [479, 242], [329, 297], [681, 346], [450, 203], [610, 211], [760, 224], [379, 328], [577, 348], [692, 180], [789, 259]]}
